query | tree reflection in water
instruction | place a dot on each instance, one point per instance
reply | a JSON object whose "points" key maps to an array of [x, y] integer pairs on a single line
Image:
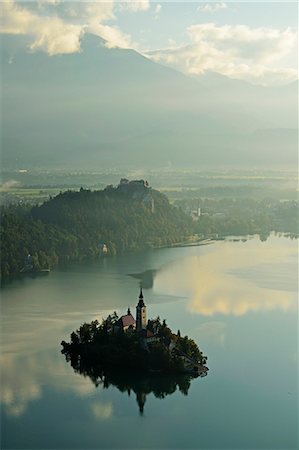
{"points": [[141, 383]]}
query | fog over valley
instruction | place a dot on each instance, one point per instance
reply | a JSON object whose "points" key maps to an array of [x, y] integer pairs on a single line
{"points": [[114, 107]]}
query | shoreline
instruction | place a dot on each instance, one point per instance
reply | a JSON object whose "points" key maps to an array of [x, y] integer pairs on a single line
{"points": [[183, 244]]}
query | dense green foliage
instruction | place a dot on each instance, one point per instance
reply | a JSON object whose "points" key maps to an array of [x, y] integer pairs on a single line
{"points": [[227, 216], [74, 226], [97, 344]]}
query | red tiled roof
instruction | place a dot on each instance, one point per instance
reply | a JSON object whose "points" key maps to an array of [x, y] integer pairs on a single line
{"points": [[127, 320], [149, 334]]}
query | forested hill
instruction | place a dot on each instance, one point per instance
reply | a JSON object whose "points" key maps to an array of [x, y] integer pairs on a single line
{"points": [[78, 226]]}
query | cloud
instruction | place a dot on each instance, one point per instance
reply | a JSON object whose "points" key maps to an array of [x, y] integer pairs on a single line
{"points": [[18, 388], [95, 15], [61, 34], [231, 296], [97, 11], [142, 5], [50, 33], [41, 3], [28, 363], [214, 287], [157, 10], [113, 36], [212, 7], [16, 405], [102, 411], [24, 374], [214, 331], [253, 54]]}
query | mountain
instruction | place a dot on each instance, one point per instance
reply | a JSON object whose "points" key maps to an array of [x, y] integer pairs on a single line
{"points": [[113, 107]]}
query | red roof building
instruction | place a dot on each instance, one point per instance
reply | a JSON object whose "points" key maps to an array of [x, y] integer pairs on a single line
{"points": [[126, 321]]}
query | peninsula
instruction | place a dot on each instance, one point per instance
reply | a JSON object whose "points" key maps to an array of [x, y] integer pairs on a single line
{"points": [[128, 343], [86, 225]]}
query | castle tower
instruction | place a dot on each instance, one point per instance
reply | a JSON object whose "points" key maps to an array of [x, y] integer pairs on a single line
{"points": [[140, 313]]}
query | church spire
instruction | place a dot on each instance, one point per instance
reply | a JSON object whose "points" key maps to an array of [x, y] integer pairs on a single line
{"points": [[140, 313], [141, 302]]}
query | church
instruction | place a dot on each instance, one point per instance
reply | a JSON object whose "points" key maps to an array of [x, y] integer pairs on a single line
{"points": [[127, 322]]}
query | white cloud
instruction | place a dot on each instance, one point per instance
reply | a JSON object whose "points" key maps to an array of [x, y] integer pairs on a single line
{"points": [[50, 33], [98, 11], [62, 34], [113, 35], [252, 54], [212, 7]]}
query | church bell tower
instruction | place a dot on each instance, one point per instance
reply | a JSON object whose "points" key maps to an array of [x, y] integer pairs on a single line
{"points": [[140, 313]]}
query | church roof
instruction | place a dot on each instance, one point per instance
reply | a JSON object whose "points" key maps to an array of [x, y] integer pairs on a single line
{"points": [[127, 320]]}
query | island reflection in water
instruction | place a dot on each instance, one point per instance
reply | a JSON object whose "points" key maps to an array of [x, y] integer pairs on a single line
{"points": [[140, 383], [42, 397]]}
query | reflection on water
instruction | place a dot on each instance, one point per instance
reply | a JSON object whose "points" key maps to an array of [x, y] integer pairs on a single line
{"points": [[233, 279], [19, 385], [213, 331], [146, 278], [24, 377], [237, 300], [140, 383]]}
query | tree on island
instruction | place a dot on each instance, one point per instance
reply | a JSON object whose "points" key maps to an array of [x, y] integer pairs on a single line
{"points": [[119, 342]]}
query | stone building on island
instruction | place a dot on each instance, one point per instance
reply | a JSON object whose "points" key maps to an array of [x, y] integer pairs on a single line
{"points": [[152, 332], [140, 325]]}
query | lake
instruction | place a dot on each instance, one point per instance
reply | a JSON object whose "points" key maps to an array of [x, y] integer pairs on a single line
{"points": [[236, 299]]}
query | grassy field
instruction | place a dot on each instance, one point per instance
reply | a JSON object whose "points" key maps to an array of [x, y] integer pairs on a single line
{"points": [[29, 192], [35, 187], [26, 195]]}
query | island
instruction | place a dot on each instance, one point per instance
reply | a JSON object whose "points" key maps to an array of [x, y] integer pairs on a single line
{"points": [[127, 343]]}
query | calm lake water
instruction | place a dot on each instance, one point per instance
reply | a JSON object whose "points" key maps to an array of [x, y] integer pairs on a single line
{"points": [[237, 300]]}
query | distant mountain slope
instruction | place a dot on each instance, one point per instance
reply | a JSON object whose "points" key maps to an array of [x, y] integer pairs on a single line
{"points": [[113, 107], [81, 225]]}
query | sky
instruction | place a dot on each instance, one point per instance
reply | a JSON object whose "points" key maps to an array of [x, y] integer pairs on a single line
{"points": [[251, 41]]}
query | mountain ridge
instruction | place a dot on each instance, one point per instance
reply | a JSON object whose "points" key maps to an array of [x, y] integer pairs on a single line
{"points": [[83, 106]]}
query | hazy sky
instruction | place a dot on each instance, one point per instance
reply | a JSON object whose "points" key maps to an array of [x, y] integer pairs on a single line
{"points": [[253, 41]]}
